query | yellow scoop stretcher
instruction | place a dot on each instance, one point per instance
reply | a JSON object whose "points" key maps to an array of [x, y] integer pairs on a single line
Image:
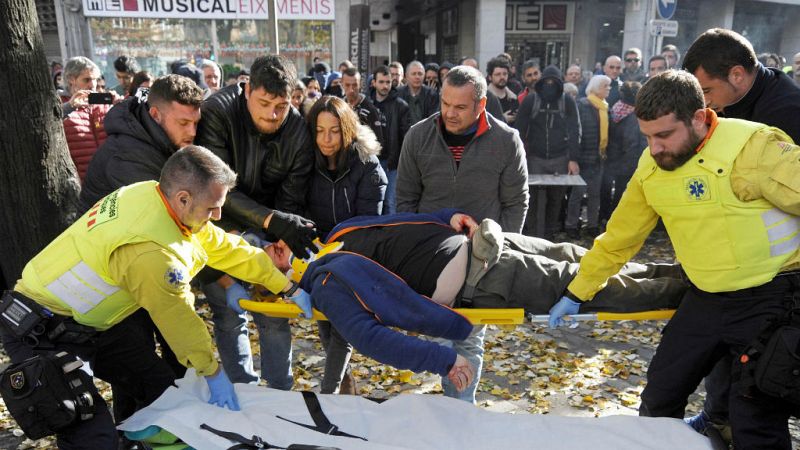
{"points": [[477, 316]]}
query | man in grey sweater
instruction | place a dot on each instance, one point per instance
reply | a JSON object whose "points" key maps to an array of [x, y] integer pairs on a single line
{"points": [[464, 158]]}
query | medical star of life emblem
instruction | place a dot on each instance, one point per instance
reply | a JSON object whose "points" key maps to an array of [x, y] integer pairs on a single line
{"points": [[17, 380], [173, 276], [697, 188]]}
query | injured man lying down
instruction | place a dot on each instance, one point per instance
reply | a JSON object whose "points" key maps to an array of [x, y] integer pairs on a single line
{"points": [[408, 270]]}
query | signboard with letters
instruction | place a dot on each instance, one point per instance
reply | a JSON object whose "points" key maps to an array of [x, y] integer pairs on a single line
{"points": [[359, 37], [210, 9], [666, 28]]}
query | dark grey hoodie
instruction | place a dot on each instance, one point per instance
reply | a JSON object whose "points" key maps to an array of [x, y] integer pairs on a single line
{"points": [[553, 132]]}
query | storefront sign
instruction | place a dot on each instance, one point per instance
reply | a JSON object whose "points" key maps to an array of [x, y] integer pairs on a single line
{"points": [[210, 9], [359, 37]]}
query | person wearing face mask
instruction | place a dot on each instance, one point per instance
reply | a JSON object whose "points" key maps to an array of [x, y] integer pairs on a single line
{"points": [[313, 90], [253, 127], [547, 121], [335, 85]]}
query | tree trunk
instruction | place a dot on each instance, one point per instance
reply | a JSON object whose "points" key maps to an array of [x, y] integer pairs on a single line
{"points": [[39, 184]]}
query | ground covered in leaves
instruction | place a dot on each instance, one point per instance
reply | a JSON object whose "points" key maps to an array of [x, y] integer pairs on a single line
{"points": [[596, 369]]}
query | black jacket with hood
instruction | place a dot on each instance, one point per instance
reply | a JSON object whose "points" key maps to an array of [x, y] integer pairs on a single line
{"points": [[136, 150], [554, 131]]}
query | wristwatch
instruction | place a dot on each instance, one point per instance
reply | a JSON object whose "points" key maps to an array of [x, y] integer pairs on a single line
{"points": [[292, 289]]}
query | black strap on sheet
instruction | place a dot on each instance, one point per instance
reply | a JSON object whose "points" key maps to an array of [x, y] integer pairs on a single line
{"points": [[321, 422], [253, 443], [257, 443]]}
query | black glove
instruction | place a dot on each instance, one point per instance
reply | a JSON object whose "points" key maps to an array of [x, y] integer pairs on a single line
{"points": [[297, 232]]}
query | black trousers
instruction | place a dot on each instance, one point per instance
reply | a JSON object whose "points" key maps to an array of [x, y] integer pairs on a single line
{"points": [[706, 328], [125, 403], [123, 356]]}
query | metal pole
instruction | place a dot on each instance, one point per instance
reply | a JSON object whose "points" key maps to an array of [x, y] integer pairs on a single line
{"points": [[273, 26], [215, 44]]}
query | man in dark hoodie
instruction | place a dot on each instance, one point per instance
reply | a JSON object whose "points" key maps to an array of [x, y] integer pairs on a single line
{"points": [[396, 116], [548, 125]]}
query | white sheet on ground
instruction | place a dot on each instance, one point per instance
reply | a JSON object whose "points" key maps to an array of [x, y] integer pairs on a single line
{"points": [[408, 422]]}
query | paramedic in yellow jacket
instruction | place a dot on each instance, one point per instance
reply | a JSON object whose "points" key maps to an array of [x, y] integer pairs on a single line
{"points": [[139, 247], [728, 192]]}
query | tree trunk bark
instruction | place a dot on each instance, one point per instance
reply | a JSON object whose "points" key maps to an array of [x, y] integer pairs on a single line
{"points": [[39, 184]]}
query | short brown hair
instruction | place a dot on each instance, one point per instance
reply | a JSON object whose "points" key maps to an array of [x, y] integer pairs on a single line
{"points": [[674, 91], [175, 88], [348, 122]]}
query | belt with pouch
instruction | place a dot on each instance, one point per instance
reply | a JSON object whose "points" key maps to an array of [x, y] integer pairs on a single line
{"points": [[37, 326]]}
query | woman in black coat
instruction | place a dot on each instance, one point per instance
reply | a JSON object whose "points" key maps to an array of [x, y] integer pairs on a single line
{"points": [[347, 181]]}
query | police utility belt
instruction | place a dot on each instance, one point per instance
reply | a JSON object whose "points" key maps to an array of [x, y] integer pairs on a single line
{"points": [[48, 392], [771, 364]]}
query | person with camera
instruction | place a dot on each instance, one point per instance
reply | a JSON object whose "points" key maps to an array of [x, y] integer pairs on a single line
{"points": [[726, 191], [253, 127], [83, 111], [138, 248]]}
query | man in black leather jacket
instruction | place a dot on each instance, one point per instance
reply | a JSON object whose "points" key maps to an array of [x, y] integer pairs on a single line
{"points": [[253, 127]]}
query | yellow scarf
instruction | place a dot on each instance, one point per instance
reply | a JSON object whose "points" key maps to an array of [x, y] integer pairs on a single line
{"points": [[602, 110]]}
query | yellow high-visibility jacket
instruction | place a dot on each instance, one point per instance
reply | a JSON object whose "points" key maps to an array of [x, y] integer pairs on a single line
{"points": [[731, 212], [129, 252]]}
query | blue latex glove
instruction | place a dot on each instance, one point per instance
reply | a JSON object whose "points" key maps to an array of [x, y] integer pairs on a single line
{"points": [[233, 293], [564, 307], [222, 393], [302, 299]]}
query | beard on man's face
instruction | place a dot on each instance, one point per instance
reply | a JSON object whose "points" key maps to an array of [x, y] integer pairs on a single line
{"points": [[671, 160]]}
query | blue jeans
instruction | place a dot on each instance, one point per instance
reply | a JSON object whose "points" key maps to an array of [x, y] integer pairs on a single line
{"points": [[470, 348], [233, 343], [390, 200]]}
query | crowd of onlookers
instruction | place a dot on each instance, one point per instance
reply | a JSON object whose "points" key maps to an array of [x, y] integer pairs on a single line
{"points": [[321, 147], [580, 122]]}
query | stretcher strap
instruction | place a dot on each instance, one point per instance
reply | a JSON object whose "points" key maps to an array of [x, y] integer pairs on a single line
{"points": [[254, 443], [321, 422], [467, 291]]}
